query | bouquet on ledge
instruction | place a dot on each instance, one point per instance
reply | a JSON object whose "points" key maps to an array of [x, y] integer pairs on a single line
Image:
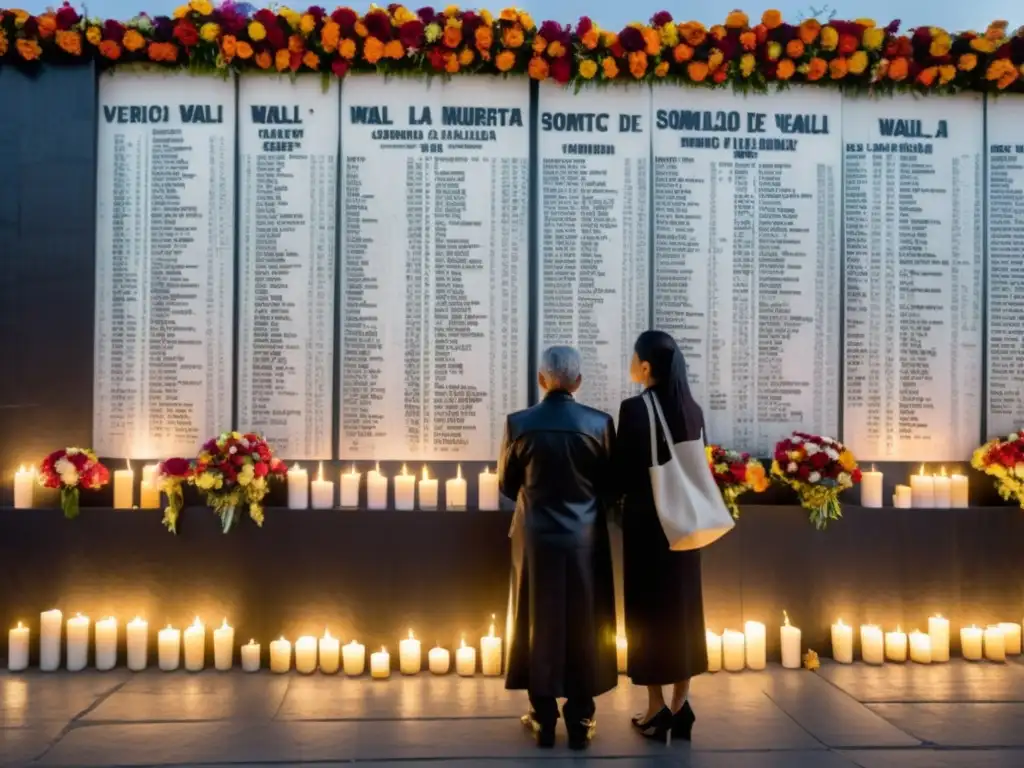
{"points": [[1003, 458], [736, 473], [818, 469], [71, 469], [235, 469], [171, 476]]}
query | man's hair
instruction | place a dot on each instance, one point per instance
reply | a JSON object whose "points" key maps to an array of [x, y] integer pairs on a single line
{"points": [[561, 366]]}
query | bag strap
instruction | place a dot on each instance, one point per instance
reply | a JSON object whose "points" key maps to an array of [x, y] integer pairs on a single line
{"points": [[653, 429], [661, 418]]}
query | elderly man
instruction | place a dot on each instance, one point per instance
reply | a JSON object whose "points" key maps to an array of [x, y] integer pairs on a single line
{"points": [[555, 462]]}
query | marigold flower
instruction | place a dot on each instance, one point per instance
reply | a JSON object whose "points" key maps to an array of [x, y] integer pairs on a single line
{"points": [[263, 60], [466, 57], [292, 17], [451, 63], [361, 29], [181, 12], [967, 62], [829, 38], [393, 49], [785, 70], [108, 49], [795, 48], [771, 18], [737, 20], [809, 30], [693, 32], [1007, 80], [133, 41], [556, 50], [747, 64], [505, 61], [257, 31], [940, 45], [682, 52], [165, 52], [816, 69], [202, 7], [451, 10], [307, 24], [403, 15], [998, 69], [610, 68], [873, 38], [858, 62], [209, 32], [697, 71], [373, 50], [484, 38], [228, 47], [538, 68], [539, 44], [330, 36], [452, 36], [282, 60], [296, 44], [773, 51], [996, 30], [899, 69], [838, 68], [748, 40], [526, 20], [3, 42], [720, 75], [718, 32], [46, 25], [591, 38], [94, 35], [311, 60], [513, 37], [68, 41], [927, 76], [983, 45], [652, 41], [608, 39], [715, 59], [947, 72], [243, 50], [638, 64], [668, 35], [848, 44], [432, 32], [661, 70], [347, 49], [509, 14]]}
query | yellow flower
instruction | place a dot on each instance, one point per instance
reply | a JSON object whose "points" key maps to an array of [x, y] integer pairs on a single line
{"points": [[968, 62], [588, 68], [361, 29], [858, 62], [669, 34], [209, 31], [946, 73], [747, 64], [451, 10], [509, 14], [983, 45], [811, 661], [774, 51], [847, 461], [873, 38], [940, 46], [466, 57], [181, 12], [865, 22], [715, 59], [661, 70], [307, 24], [247, 475], [527, 21], [486, 17], [202, 7], [737, 20], [256, 31], [829, 38], [403, 15], [432, 32], [94, 35], [347, 49], [292, 17]]}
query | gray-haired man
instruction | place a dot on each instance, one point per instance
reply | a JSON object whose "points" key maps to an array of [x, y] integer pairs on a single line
{"points": [[556, 463]]}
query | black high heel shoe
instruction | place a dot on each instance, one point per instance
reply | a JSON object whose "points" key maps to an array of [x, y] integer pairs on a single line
{"points": [[682, 722], [658, 728]]}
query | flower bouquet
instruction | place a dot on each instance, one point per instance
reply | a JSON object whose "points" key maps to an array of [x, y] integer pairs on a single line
{"points": [[1003, 458], [736, 473], [818, 469], [70, 469], [235, 469], [171, 476]]}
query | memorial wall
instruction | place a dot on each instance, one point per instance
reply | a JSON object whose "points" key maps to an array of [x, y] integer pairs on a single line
{"points": [[369, 270]]}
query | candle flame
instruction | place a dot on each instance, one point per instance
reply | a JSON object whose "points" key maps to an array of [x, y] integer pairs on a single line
{"points": [[19, 625], [922, 470], [785, 617], [377, 467], [405, 472], [327, 634], [295, 467], [352, 471], [410, 635], [21, 469], [252, 641], [897, 629], [839, 623], [196, 622], [938, 615], [320, 475], [491, 634], [383, 649], [224, 623], [487, 470], [458, 472], [129, 464], [872, 467], [462, 643], [168, 626], [426, 476], [943, 471]]}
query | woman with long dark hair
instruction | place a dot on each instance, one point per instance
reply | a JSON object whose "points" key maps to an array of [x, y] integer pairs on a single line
{"points": [[664, 602]]}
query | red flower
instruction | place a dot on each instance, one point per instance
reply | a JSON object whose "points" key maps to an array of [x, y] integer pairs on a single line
{"points": [[661, 18], [113, 30], [631, 39], [411, 34], [238, 459], [174, 467], [561, 70], [67, 17], [856, 475], [277, 466], [260, 469], [345, 18], [819, 460], [186, 33], [803, 472], [378, 24], [583, 26], [437, 58]]}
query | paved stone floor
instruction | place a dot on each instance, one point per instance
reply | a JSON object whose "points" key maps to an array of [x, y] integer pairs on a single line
{"points": [[943, 716]]}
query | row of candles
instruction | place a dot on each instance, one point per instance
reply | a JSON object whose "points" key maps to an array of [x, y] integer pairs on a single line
{"points": [[303, 493], [310, 653], [926, 491]]}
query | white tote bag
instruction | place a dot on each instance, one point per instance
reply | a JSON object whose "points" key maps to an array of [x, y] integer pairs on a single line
{"points": [[688, 501]]}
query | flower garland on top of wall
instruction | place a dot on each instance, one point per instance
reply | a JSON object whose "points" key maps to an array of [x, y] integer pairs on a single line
{"points": [[395, 39]]}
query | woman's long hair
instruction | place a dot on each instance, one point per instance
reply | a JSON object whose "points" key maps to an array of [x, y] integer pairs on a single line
{"points": [[668, 369]]}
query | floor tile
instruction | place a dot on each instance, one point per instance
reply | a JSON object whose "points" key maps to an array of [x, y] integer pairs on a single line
{"points": [[955, 681], [35, 697], [932, 758], [957, 725]]}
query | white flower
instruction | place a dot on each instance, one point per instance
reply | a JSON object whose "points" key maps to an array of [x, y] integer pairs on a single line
{"points": [[62, 466], [813, 477], [827, 440], [233, 449], [844, 478], [797, 440], [1013, 438], [832, 453], [791, 467], [811, 449]]}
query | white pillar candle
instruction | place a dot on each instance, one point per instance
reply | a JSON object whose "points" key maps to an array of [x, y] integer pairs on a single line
{"points": [[168, 648], [995, 643], [465, 660], [149, 488], [1011, 637], [17, 648], [298, 488], [376, 489], [106, 644], [714, 643], [124, 481], [943, 490], [380, 665], [621, 654], [251, 656], [330, 652], [938, 632], [24, 485], [789, 637], [353, 658], [922, 489], [439, 660], [487, 491], [842, 643], [78, 643], [322, 491], [871, 488], [903, 498], [970, 642], [428, 490], [958, 491], [280, 656], [409, 652], [732, 651], [350, 488], [896, 646], [223, 647], [920, 647], [195, 646], [455, 491], [405, 490], [137, 640], [50, 625], [872, 648], [305, 655], [490, 650], [754, 638]]}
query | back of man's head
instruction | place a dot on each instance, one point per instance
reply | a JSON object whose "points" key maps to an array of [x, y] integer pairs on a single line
{"points": [[560, 369]]}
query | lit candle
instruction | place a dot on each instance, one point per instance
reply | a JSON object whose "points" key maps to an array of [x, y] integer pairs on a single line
{"points": [[487, 491], [465, 660], [490, 647], [78, 643], [330, 650], [106, 644], [409, 658], [903, 498], [842, 643], [732, 651], [995, 644], [380, 664], [958, 491], [24, 484], [17, 648], [251, 656], [322, 491], [280, 656], [455, 492], [195, 647], [943, 490], [1011, 637], [298, 488], [621, 653], [428, 491], [872, 648], [137, 639], [439, 660], [754, 636], [354, 659], [376, 489], [305, 655], [168, 648], [124, 481], [970, 642], [51, 623], [871, 488], [920, 647], [350, 488], [149, 489], [922, 489], [714, 643], [789, 637], [938, 632], [896, 646], [223, 647], [405, 490]]}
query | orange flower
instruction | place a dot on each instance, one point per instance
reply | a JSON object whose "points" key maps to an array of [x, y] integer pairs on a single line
{"points": [[638, 64], [927, 76], [693, 32], [748, 40], [794, 49], [715, 59], [809, 30], [330, 36], [761, 34], [1007, 80], [590, 38], [509, 14], [858, 63], [983, 45], [785, 70], [697, 71], [347, 49], [652, 41], [466, 57], [243, 49], [608, 39], [848, 44], [556, 50], [539, 44], [996, 31], [373, 50], [361, 29], [228, 47], [451, 64], [484, 37], [505, 61], [718, 32], [999, 69], [737, 20], [394, 50], [306, 26], [816, 69], [947, 72], [3, 42], [838, 68], [452, 36], [68, 41], [661, 70], [682, 52], [720, 75], [263, 60], [312, 61], [296, 44], [538, 68], [967, 62], [771, 19], [47, 25], [899, 69], [133, 41], [108, 50], [512, 37], [282, 60], [610, 68], [940, 45], [167, 52]]}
